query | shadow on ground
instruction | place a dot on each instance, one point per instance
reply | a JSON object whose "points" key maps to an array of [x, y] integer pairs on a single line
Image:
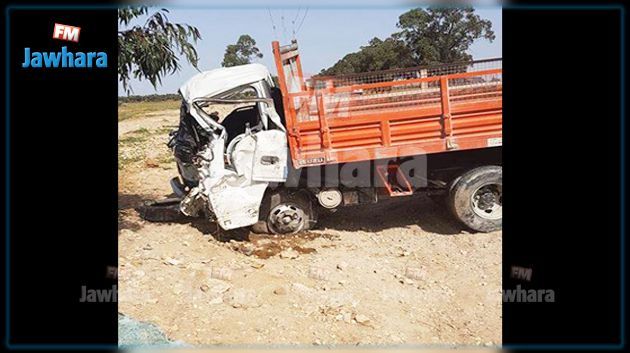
{"points": [[392, 213], [128, 216]]}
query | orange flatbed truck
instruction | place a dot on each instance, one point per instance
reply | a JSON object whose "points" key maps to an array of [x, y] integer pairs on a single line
{"points": [[297, 146], [449, 116]]}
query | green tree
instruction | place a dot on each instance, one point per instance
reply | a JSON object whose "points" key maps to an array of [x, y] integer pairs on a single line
{"points": [[377, 55], [431, 36], [241, 53], [150, 51], [442, 35]]}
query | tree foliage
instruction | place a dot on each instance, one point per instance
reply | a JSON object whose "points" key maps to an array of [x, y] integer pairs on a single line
{"points": [[442, 35], [377, 55], [431, 36], [151, 51], [241, 53]]}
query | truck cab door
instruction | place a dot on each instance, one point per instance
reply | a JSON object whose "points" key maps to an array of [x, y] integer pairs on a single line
{"points": [[270, 156]]}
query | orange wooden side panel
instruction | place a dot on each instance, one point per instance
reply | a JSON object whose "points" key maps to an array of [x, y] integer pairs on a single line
{"points": [[390, 114]]}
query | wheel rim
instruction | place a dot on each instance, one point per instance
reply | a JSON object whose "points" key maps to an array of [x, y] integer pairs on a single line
{"points": [[286, 218], [487, 201]]}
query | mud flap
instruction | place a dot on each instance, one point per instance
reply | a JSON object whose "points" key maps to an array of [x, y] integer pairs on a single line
{"points": [[161, 211]]}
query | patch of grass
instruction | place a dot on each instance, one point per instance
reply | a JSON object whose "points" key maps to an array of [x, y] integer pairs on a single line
{"points": [[126, 161], [133, 146], [131, 139], [136, 136], [166, 159], [166, 129], [141, 131], [135, 110]]}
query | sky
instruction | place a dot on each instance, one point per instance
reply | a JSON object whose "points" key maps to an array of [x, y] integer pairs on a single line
{"points": [[326, 34]]}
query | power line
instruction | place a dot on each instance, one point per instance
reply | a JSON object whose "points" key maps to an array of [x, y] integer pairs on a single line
{"points": [[284, 28], [273, 25], [297, 14], [300, 26]]}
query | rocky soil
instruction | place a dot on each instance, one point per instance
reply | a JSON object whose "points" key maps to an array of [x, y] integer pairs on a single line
{"points": [[398, 272]]}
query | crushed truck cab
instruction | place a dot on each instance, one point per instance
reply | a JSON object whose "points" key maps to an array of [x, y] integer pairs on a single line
{"points": [[230, 144], [248, 149]]}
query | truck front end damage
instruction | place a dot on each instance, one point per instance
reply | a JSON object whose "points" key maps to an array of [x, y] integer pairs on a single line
{"points": [[229, 146]]}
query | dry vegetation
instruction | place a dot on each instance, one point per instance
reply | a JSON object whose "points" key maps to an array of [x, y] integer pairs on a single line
{"points": [[142, 109]]}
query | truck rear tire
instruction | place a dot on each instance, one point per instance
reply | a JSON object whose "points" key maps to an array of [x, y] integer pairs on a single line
{"points": [[476, 198]]}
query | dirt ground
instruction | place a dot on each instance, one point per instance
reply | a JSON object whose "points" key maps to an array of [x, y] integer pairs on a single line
{"points": [[396, 272]]}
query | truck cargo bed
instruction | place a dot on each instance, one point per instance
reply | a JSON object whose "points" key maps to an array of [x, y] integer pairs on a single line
{"points": [[389, 114]]}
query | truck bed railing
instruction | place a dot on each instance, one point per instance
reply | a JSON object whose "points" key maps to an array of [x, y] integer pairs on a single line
{"points": [[398, 89], [431, 108], [401, 74]]}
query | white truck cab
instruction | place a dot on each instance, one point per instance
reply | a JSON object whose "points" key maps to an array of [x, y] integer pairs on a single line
{"points": [[231, 143]]}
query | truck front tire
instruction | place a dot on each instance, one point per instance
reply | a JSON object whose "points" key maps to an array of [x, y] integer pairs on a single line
{"points": [[283, 212], [476, 198]]}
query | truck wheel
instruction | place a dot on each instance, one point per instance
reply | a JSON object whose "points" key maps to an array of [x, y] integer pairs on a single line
{"points": [[260, 227], [476, 198], [286, 213]]}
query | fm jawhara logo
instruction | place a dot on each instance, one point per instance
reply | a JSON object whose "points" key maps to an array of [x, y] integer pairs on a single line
{"points": [[64, 58]]}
